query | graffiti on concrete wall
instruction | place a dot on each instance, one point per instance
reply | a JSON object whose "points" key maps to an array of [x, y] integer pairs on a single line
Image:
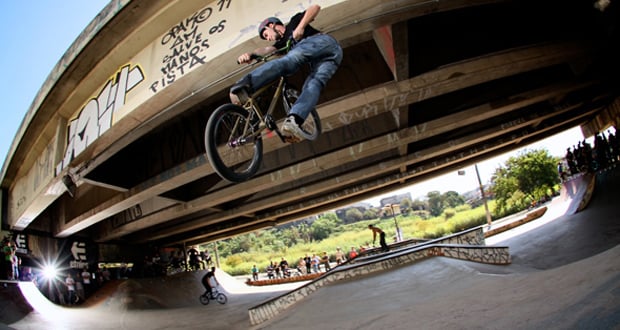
{"points": [[187, 42], [95, 118]]}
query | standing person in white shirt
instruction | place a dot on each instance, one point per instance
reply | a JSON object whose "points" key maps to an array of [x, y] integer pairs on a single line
{"points": [[86, 280], [70, 283]]}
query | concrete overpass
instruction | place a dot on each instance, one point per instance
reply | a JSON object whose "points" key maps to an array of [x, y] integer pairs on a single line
{"points": [[112, 151]]}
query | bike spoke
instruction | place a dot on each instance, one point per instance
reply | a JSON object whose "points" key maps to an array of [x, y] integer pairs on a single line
{"points": [[233, 147]]}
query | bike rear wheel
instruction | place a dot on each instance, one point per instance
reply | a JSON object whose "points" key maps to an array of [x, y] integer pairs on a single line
{"points": [[311, 128], [234, 149], [204, 299]]}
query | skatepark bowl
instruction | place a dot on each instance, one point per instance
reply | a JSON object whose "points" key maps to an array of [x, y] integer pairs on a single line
{"points": [[557, 271]]}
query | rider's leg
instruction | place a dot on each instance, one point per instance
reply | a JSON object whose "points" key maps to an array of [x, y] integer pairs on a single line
{"points": [[326, 58], [266, 73]]}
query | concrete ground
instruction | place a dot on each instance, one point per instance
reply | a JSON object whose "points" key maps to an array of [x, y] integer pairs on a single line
{"points": [[565, 274]]}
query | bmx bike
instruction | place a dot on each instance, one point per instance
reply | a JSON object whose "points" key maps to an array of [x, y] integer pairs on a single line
{"points": [[215, 295], [234, 133]]}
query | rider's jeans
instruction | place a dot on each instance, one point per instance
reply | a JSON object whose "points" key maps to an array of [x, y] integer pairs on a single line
{"points": [[324, 55]]}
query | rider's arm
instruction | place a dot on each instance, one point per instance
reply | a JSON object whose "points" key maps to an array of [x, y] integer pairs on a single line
{"points": [[309, 16], [262, 51]]}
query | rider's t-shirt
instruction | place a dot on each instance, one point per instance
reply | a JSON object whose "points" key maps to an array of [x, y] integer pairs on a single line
{"points": [[290, 27]]}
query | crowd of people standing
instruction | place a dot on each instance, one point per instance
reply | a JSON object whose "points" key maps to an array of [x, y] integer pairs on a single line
{"points": [[308, 264], [586, 158]]}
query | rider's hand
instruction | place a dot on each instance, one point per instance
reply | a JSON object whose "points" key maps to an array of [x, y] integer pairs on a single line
{"points": [[244, 58], [298, 33]]}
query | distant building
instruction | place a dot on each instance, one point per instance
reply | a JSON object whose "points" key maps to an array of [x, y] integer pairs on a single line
{"points": [[396, 199], [390, 210]]}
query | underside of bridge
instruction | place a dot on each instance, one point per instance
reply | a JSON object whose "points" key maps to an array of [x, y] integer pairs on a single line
{"points": [[424, 88]]}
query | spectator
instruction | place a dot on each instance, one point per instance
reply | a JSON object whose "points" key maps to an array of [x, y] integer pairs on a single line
{"points": [[340, 258], [15, 263], [308, 262], [206, 257], [8, 251], [284, 267], [195, 262], [86, 280], [561, 171], [70, 284], [270, 271], [301, 265], [105, 273], [315, 263], [352, 253], [80, 295], [254, 273], [325, 262], [27, 274], [276, 268]]}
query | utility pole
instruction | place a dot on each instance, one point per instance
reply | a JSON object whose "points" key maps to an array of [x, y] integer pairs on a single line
{"points": [[398, 234], [484, 198]]}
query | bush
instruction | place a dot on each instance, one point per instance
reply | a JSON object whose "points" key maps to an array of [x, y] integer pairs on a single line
{"points": [[448, 213], [422, 214]]}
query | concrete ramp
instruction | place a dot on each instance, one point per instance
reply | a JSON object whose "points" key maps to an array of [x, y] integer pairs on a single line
{"points": [[13, 304], [576, 192]]}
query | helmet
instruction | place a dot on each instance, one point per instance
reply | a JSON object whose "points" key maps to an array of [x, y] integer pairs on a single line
{"points": [[265, 22]]}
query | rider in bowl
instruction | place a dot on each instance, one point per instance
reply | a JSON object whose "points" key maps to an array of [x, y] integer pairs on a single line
{"points": [[321, 51]]}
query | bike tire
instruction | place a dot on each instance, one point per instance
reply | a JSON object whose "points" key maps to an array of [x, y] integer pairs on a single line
{"points": [[311, 128], [221, 298], [234, 154], [204, 299]]}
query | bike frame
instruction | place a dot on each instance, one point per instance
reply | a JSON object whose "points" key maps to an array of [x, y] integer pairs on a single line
{"points": [[254, 109]]}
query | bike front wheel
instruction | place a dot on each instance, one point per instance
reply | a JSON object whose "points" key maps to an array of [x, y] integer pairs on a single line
{"points": [[221, 298], [234, 147]]}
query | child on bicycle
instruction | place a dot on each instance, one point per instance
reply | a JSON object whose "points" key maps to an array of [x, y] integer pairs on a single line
{"points": [[321, 51]]}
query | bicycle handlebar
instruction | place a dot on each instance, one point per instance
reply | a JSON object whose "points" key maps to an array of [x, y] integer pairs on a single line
{"points": [[263, 58]]}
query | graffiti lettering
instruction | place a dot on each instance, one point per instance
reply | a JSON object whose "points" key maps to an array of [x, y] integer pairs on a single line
{"points": [[96, 116], [190, 23], [221, 3], [187, 46]]}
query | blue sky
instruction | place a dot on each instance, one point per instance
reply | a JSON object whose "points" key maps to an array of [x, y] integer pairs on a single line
{"points": [[35, 35]]}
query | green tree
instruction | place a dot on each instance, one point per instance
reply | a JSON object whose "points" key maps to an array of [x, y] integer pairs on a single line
{"points": [[325, 225], [418, 205], [371, 213], [532, 173], [353, 215], [304, 232], [435, 203], [290, 236], [453, 199], [405, 206]]}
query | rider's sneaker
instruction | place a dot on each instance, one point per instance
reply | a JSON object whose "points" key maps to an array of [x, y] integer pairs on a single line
{"points": [[239, 92], [291, 130]]}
